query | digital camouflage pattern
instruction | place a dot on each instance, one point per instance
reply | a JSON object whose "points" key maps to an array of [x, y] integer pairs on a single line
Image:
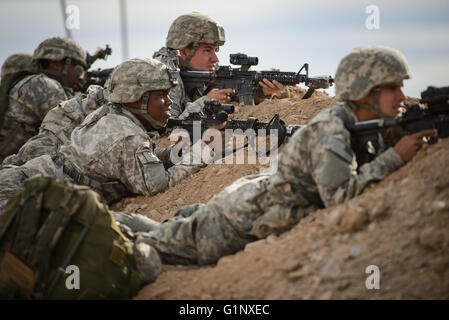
{"points": [[183, 104], [368, 67], [29, 101], [195, 28], [316, 168], [58, 125], [17, 62], [111, 152], [58, 48], [113, 148], [12, 177], [132, 78]]}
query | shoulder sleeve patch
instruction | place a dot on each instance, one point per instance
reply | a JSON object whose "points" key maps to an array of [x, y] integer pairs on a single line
{"points": [[148, 157], [341, 149]]}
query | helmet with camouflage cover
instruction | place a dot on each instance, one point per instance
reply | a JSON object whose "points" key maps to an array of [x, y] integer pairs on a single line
{"points": [[17, 62], [367, 68], [58, 48], [194, 28], [134, 79]]}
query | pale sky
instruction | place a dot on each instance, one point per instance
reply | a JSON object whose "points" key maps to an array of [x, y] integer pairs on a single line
{"points": [[283, 34]]}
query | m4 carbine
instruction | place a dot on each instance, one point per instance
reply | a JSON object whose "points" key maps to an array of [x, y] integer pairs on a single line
{"points": [[245, 82], [431, 113], [97, 77], [215, 113]]}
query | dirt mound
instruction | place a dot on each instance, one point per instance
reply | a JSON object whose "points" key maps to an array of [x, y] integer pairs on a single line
{"points": [[398, 227]]}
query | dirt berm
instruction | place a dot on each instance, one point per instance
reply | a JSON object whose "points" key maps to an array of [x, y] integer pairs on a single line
{"points": [[397, 230]]}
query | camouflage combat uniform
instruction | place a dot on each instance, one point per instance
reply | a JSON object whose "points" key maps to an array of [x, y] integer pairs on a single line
{"points": [[34, 95], [58, 125], [189, 30], [29, 102], [317, 168], [112, 152]]}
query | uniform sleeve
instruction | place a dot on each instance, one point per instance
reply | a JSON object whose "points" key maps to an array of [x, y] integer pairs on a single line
{"points": [[164, 155], [334, 167], [40, 95], [144, 173], [182, 107]]}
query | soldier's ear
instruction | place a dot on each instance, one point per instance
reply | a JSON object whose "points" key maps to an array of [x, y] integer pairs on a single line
{"points": [[183, 53], [369, 99]]}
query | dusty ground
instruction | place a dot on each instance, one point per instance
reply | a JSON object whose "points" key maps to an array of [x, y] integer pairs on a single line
{"points": [[399, 225]]}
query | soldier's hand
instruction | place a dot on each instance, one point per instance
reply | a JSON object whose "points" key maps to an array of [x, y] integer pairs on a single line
{"points": [[222, 95], [409, 145], [274, 87]]}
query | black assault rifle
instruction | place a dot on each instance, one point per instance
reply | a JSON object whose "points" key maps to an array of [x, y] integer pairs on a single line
{"points": [[245, 82], [215, 113], [431, 113], [97, 77]]}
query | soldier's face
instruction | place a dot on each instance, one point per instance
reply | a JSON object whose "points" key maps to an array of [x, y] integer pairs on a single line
{"points": [[204, 59], [76, 76], [391, 97], [159, 105]]}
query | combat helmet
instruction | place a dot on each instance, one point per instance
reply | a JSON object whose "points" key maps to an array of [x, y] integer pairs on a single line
{"points": [[17, 62], [134, 79], [58, 48], [367, 69], [191, 30], [194, 28]]}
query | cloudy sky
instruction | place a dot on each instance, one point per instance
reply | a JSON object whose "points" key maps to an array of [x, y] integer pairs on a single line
{"points": [[283, 34]]}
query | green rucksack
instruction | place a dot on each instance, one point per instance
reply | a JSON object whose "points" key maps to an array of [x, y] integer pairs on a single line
{"points": [[53, 231]]}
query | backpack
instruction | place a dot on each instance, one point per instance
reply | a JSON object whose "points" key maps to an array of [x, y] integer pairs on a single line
{"points": [[52, 232]]}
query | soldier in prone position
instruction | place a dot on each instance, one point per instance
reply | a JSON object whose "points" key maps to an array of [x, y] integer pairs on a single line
{"points": [[317, 168], [111, 150], [59, 66]]}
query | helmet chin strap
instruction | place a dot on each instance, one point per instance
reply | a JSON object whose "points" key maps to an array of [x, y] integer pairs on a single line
{"points": [[186, 62], [375, 106], [143, 112]]}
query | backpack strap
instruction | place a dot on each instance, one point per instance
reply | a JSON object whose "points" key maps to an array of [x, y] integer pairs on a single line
{"points": [[27, 219], [52, 229]]}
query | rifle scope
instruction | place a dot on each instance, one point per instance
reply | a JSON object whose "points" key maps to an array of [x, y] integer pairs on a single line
{"points": [[243, 60], [217, 109]]}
